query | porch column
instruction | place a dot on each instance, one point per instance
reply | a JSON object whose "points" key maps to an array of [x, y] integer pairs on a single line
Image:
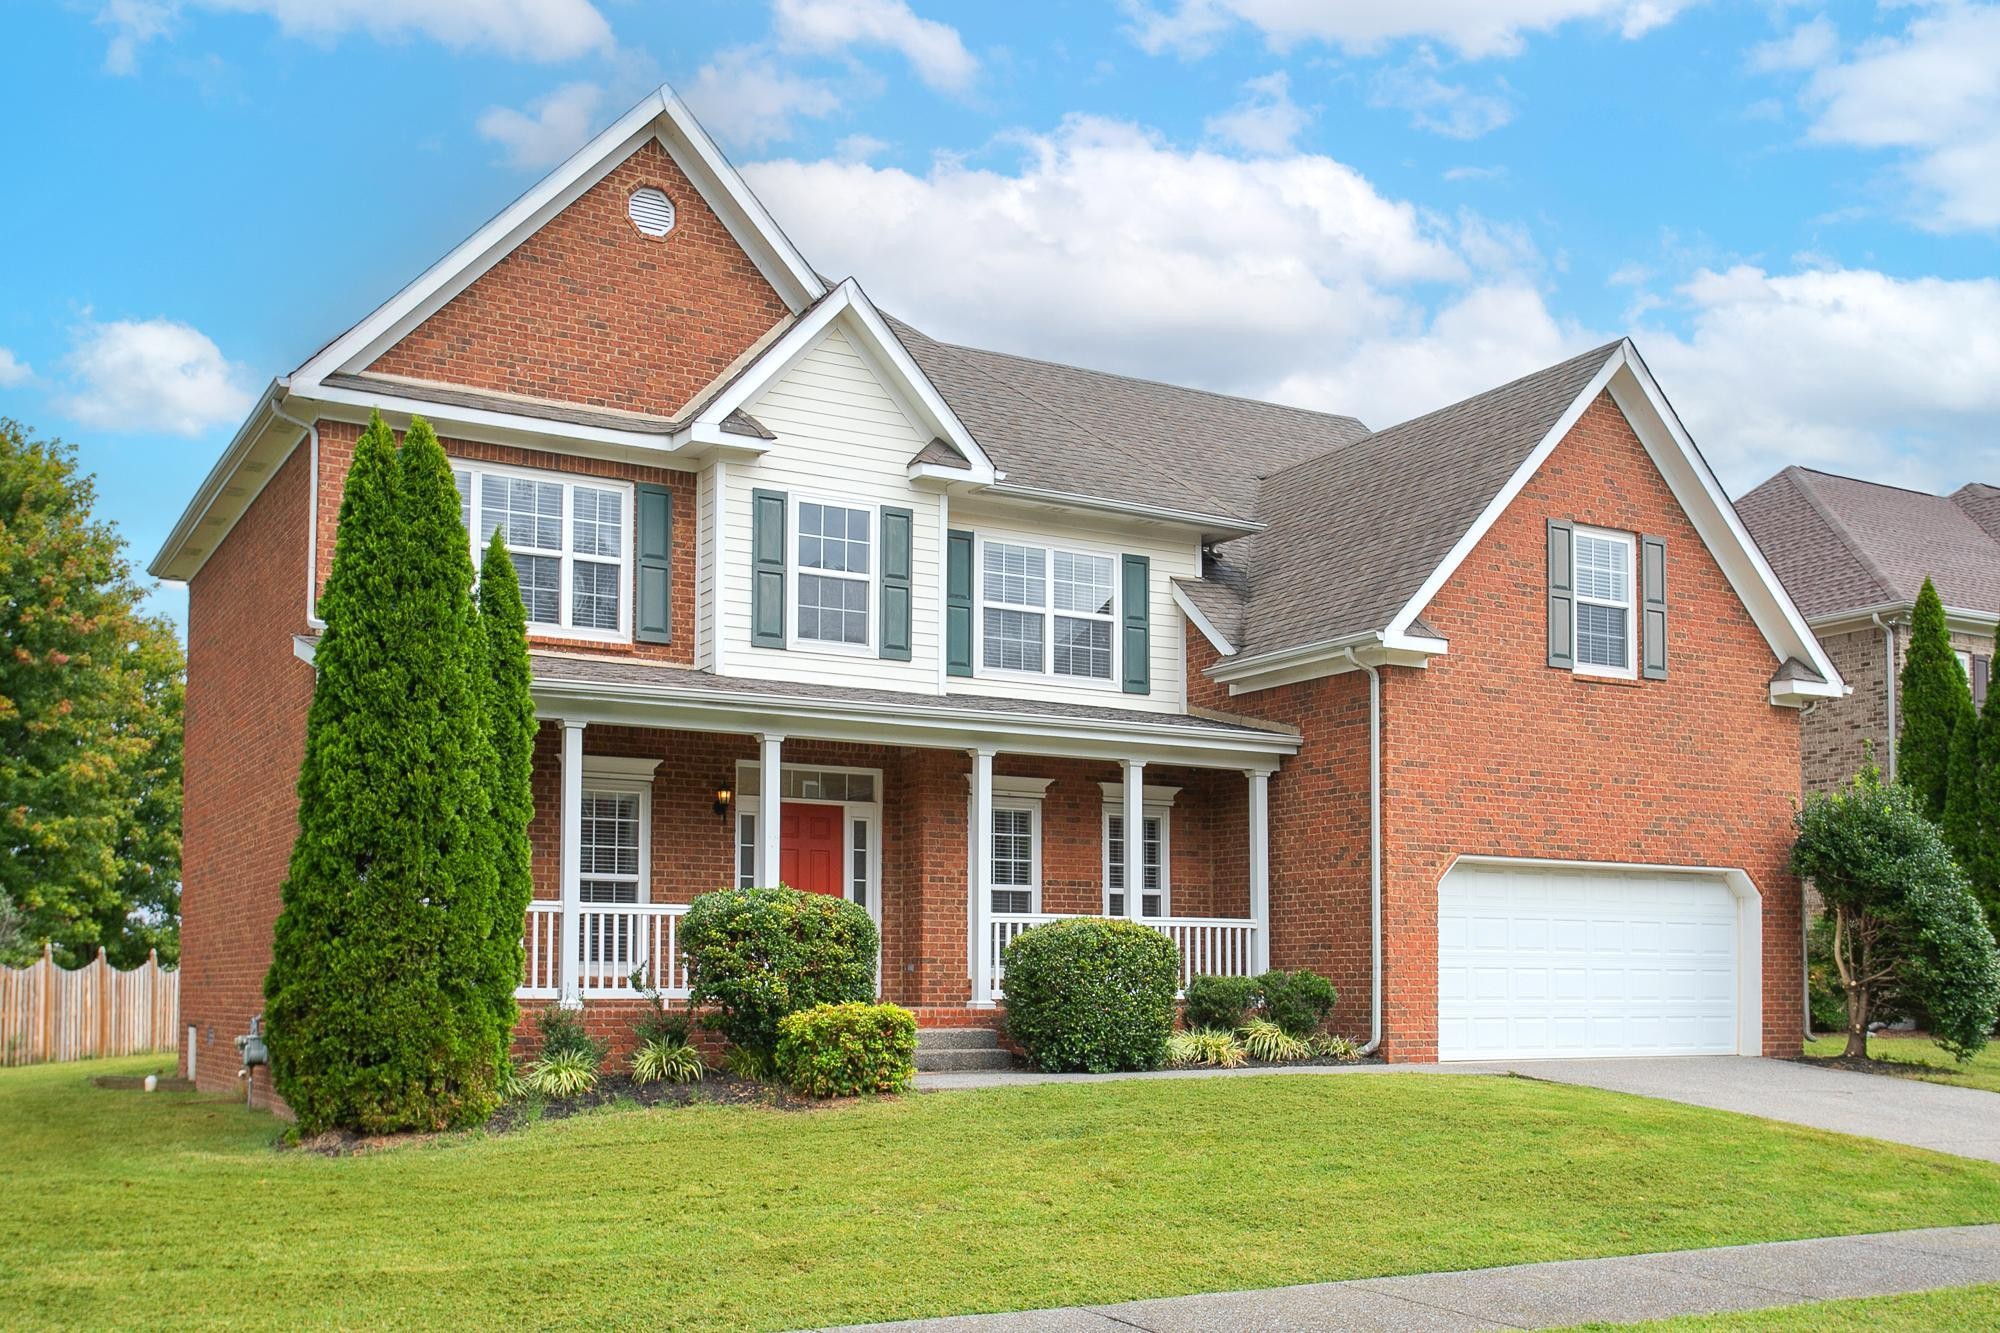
{"points": [[1259, 818], [770, 780], [1135, 836], [980, 836], [570, 861]]}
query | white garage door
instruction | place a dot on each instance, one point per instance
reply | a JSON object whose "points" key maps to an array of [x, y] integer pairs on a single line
{"points": [[1539, 962]]}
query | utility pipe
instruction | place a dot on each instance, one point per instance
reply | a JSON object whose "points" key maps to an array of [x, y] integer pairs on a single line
{"points": [[1888, 683], [1374, 846]]}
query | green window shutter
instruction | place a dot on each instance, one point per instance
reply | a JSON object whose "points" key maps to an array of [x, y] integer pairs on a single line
{"points": [[958, 603], [1562, 594], [653, 613], [767, 569], [895, 638], [1137, 622], [1653, 602]]}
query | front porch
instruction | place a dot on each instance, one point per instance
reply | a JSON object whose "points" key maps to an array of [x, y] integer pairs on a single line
{"points": [[634, 820]]}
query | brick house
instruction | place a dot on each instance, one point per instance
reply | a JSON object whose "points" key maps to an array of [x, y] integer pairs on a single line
{"points": [[1853, 555], [1491, 716]]}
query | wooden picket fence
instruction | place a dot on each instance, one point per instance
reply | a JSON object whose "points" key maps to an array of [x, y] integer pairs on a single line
{"points": [[53, 1013]]}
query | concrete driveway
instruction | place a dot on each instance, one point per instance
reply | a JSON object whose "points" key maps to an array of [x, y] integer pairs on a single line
{"points": [[1964, 1121]]}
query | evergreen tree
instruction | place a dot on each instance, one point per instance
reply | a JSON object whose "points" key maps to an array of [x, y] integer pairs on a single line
{"points": [[1962, 819], [1933, 689], [1984, 868], [510, 716], [374, 1022]]}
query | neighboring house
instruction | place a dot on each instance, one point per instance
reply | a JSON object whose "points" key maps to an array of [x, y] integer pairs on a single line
{"points": [[1854, 554], [1491, 716]]}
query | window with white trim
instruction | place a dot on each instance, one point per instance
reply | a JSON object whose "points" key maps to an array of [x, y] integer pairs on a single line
{"points": [[1047, 612], [1156, 893], [611, 856], [1604, 629], [1014, 856], [832, 559], [570, 542]]}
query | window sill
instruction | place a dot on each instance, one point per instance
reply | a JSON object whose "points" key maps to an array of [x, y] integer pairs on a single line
{"points": [[1592, 678]]}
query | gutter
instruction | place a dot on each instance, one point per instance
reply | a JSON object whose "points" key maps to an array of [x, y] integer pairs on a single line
{"points": [[311, 428], [1888, 682], [1220, 526], [1374, 847]]}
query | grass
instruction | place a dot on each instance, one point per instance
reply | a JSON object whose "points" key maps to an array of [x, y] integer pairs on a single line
{"points": [[1956, 1309], [172, 1209], [1926, 1059]]}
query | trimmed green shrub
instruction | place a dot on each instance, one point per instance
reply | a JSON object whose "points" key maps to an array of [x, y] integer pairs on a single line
{"points": [[846, 1050], [1221, 1003], [665, 1061], [1933, 689], [1265, 1040], [1298, 1001], [756, 955], [1091, 994], [1205, 1048], [561, 1032]]}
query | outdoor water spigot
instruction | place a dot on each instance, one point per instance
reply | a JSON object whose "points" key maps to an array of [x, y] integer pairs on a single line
{"points": [[251, 1044]]}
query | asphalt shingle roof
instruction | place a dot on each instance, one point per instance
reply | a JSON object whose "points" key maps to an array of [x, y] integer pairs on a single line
{"points": [[1839, 544]]}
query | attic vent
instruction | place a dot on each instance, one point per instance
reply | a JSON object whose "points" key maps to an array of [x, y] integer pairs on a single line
{"points": [[651, 211]]}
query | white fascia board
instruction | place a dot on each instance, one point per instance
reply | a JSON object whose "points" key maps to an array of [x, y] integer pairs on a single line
{"points": [[341, 403], [166, 563], [1216, 637], [1708, 507], [938, 474], [1211, 527], [660, 114], [1799, 693], [1247, 675], [864, 325], [1957, 619]]}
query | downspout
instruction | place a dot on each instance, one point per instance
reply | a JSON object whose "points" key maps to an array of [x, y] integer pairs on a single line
{"points": [[1374, 847], [1805, 927], [1888, 682], [312, 512]]}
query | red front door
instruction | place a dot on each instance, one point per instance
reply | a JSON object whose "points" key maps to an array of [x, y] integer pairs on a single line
{"points": [[809, 847]]}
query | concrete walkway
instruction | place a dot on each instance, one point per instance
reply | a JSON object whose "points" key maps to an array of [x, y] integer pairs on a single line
{"points": [[1574, 1291], [1963, 1121]]}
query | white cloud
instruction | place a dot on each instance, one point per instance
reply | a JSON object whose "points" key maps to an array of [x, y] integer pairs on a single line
{"points": [[1266, 122], [743, 96], [859, 147], [1470, 27], [542, 30], [1934, 93], [1493, 173], [13, 371], [153, 375], [1450, 109], [550, 129], [1896, 379], [1807, 46], [830, 27]]}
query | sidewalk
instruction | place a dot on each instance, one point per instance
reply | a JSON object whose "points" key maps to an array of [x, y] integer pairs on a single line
{"points": [[1554, 1295]]}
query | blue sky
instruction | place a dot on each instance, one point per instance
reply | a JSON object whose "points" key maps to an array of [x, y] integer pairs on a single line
{"points": [[1362, 207]]}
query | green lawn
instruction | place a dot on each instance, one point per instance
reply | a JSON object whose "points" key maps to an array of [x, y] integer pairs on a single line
{"points": [[1925, 1057], [1957, 1310], [127, 1208]]}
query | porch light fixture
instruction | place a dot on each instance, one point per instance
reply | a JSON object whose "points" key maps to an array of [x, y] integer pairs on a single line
{"points": [[723, 796]]}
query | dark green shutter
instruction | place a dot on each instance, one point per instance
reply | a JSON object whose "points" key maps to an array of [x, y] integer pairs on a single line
{"points": [[1653, 624], [895, 638], [767, 569], [1137, 636], [653, 614], [1562, 594], [958, 603]]}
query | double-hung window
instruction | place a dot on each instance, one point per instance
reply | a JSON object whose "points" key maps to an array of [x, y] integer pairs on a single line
{"points": [[1047, 612], [1014, 857], [611, 858], [833, 560], [1604, 622], [569, 540], [1155, 894]]}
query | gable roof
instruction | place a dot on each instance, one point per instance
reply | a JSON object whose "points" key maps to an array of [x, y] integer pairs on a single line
{"points": [[1842, 545]]}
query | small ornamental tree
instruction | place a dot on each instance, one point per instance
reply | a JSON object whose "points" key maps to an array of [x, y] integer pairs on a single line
{"points": [[1933, 686], [510, 717], [1904, 920]]}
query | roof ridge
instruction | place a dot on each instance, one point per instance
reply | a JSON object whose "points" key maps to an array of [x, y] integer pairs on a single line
{"points": [[1840, 529]]}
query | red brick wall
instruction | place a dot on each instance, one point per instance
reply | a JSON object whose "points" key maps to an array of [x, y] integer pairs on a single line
{"points": [[247, 696], [1490, 751], [336, 445], [588, 310]]}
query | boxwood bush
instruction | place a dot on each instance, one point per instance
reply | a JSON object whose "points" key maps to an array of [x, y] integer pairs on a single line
{"points": [[845, 1050], [756, 955], [1219, 1003], [1298, 1001], [1090, 994]]}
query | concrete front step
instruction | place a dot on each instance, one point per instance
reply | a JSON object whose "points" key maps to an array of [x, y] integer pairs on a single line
{"points": [[957, 1039], [962, 1060]]}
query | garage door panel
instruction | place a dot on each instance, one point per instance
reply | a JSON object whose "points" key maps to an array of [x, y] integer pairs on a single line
{"points": [[1585, 963]]}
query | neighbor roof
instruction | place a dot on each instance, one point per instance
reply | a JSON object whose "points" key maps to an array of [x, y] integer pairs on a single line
{"points": [[1842, 545]]}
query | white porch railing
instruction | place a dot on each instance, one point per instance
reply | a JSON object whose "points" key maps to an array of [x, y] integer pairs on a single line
{"points": [[1208, 946], [613, 942]]}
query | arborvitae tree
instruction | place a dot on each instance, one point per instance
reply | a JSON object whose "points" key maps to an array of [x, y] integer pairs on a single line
{"points": [[510, 715], [372, 1010], [1984, 868], [1933, 687], [1962, 819]]}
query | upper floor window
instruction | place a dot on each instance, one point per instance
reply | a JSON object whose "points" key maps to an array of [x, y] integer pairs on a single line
{"points": [[570, 541], [834, 560], [1049, 612], [1604, 628]]}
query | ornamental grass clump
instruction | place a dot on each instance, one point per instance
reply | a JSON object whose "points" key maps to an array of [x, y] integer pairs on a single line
{"points": [[562, 1074], [663, 1060], [1091, 994], [1265, 1040], [1205, 1048]]}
